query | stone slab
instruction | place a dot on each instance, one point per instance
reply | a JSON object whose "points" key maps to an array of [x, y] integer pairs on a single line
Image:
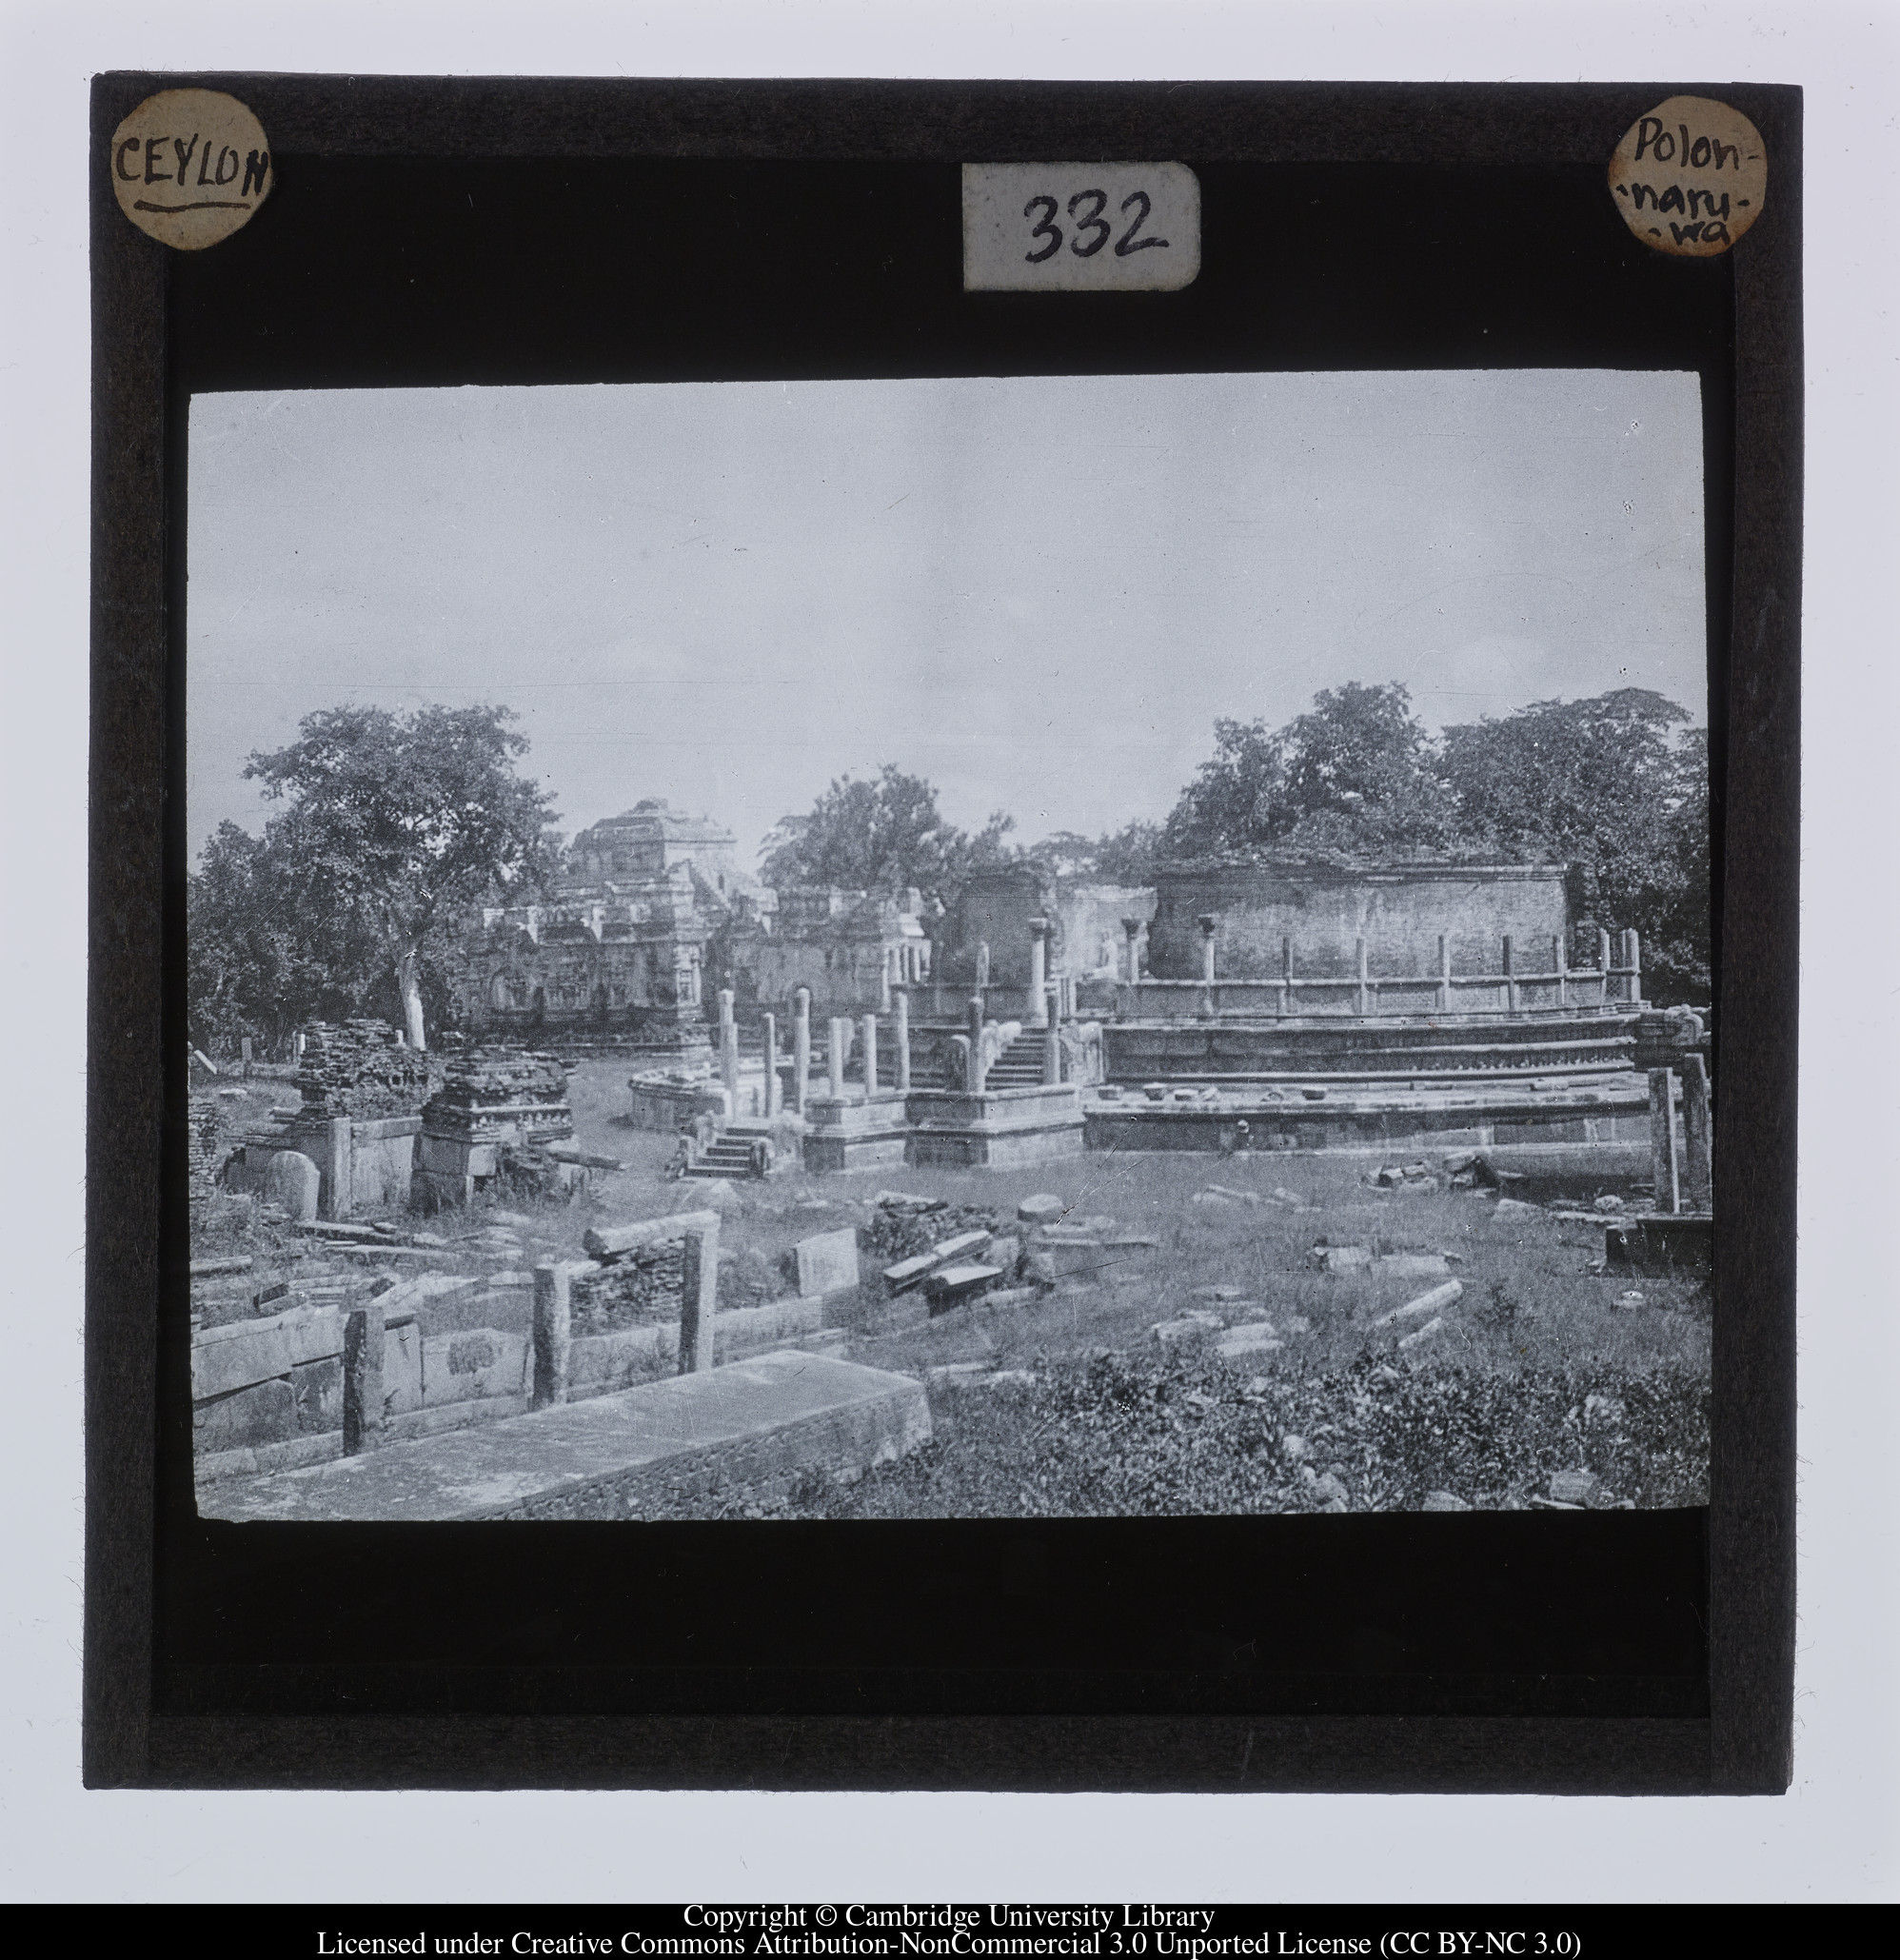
{"points": [[292, 1181], [753, 1424], [265, 1412], [468, 1367], [827, 1262]]}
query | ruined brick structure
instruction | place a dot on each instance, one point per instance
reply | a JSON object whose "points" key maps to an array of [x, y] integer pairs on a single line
{"points": [[849, 948], [362, 1068], [651, 915]]}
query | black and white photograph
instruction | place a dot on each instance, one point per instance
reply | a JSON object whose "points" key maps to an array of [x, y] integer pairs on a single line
{"points": [[1091, 945]]}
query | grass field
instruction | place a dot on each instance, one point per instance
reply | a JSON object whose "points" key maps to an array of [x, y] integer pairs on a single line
{"points": [[1068, 1404]]}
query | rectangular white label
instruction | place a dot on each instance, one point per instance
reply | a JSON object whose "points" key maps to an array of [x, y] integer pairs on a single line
{"points": [[1080, 227]]}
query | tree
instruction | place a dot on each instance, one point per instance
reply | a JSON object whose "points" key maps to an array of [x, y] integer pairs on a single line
{"points": [[1127, 856], [1607, 786], [400, 823], [880, 835], [1353, 778]]}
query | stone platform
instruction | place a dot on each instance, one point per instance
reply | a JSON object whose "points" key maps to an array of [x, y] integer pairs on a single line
{"points": [[996, 1128], [1614, 1110], [752, 1426], [855, 1135]]}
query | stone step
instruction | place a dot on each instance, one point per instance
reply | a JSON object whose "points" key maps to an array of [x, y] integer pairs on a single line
{"points": [[752, 1424]]}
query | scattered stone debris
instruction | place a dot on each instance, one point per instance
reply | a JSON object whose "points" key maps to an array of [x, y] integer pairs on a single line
{"points": [[1579, 1487], [1632, 1298], [1443, 1500], [1607, 1409]]}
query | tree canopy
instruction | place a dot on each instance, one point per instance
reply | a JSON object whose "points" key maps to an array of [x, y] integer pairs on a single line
{"points": [[883, 834], [1351, 778], [395, 826]]}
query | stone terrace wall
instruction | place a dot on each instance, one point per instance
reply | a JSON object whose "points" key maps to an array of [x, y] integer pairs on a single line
{"points": [[1400, 914]]}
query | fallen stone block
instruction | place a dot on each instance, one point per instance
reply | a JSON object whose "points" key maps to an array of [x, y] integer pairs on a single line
{"points": [[1515, 1208], [1575, 1486], [1188, 1327], [1443, 1500], [1342, 1258], [1238, 1196], [1328, 1488], [1009, 1377], [1425, 1333], [213, 1269], [1005, 1253], [1280, 1195], [1426, 1303], [966, 1245], [1010, 1297], [1044, 1208], [614, 1241], [701, 1438], [1257, 1338], [1211, 1197], [953, 1285], [1218, 1293]]}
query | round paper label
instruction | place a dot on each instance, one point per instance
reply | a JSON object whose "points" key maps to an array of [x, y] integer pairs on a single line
{"points": [[189, 165], [1689, 176]]}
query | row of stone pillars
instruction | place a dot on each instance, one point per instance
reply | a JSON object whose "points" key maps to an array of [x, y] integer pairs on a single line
{"points": [[1630, 965], [844, 1032]]}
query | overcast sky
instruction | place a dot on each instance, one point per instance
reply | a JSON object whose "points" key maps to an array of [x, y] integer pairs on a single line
{"points": [[1040, 593]]}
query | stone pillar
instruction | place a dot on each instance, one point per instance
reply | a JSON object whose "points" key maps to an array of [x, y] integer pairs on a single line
{"points": [[870, 1027], [1286, 974], [979, 1070], [1364, 993], [983, 962], [902, 1037], [553, 1331], [771, 1066], [338, 1200], [1603, 962], [698, 1299], [801, 1048], [1632, 959], [1039, 973], [1662, 1140], [728, 1050], [1698, 1135], [1560, 966], [1509, 978], [1132, 928], [1052, 1054], [1444, 973], [363, 1379], [836, 1050], [1208, 925]]}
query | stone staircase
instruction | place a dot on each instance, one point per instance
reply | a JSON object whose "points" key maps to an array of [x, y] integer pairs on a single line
{"points": [[728, 1155], [1020, 1065]]}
